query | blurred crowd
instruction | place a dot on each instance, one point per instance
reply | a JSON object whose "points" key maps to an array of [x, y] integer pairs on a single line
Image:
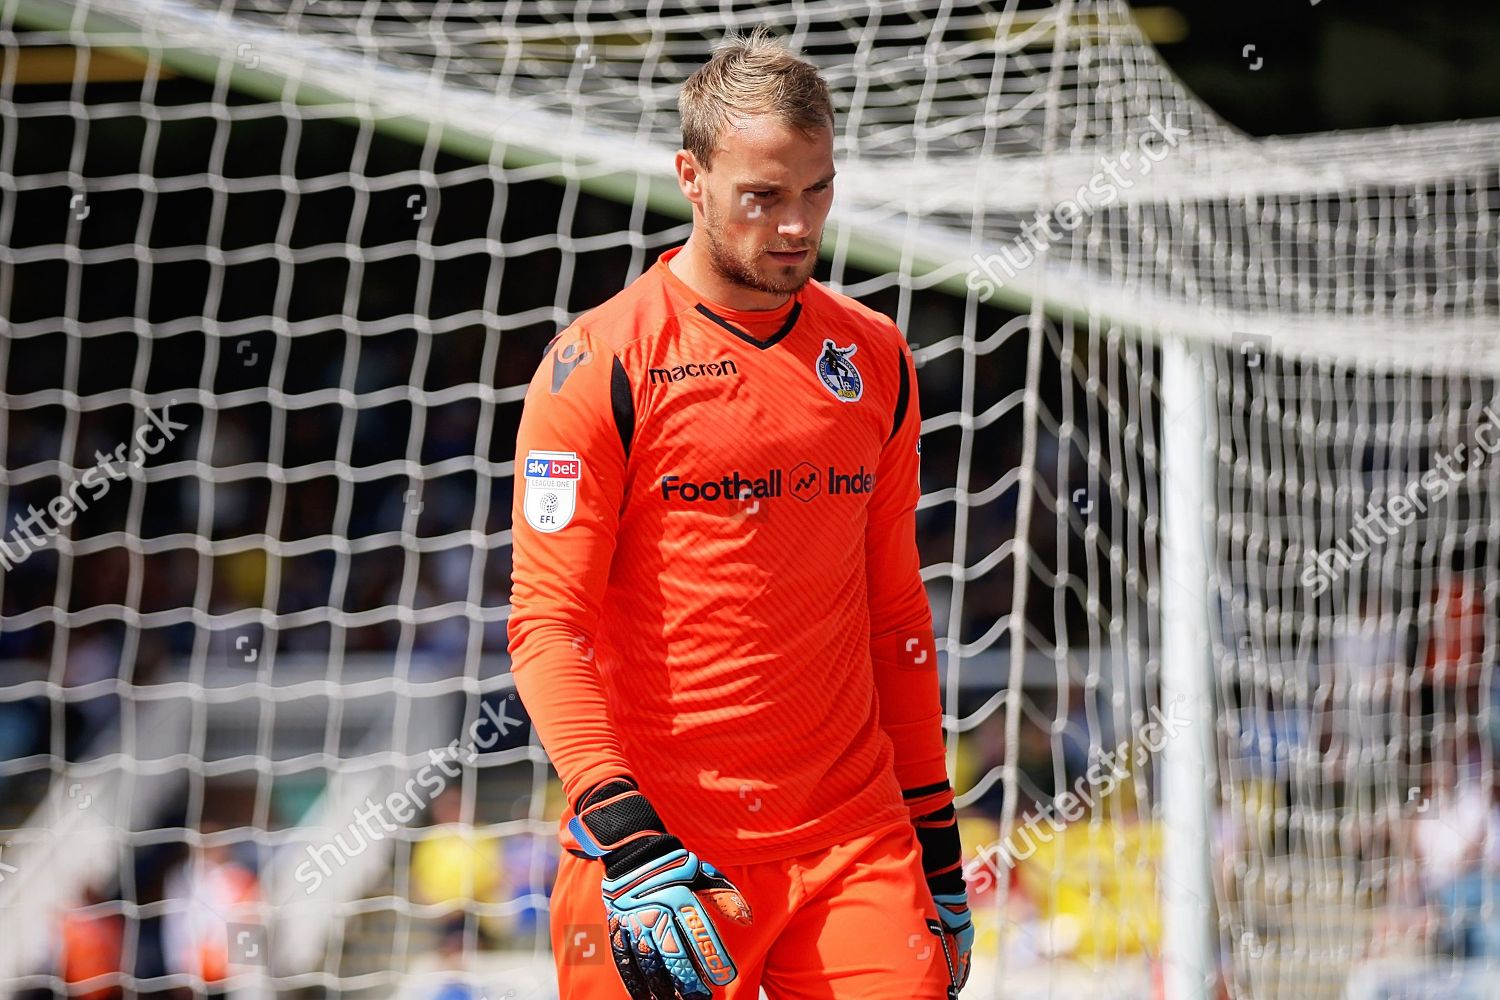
{"points": [[196, 912]]}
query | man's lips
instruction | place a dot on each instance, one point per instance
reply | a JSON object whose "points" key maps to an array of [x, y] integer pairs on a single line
{"points": [[789, 256]]}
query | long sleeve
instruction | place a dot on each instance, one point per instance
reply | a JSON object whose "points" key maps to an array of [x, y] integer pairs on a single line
{"points": [[569, 481], [901, 640]]}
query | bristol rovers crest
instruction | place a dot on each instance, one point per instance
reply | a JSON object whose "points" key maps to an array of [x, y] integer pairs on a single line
{"points": [[836, 371]]}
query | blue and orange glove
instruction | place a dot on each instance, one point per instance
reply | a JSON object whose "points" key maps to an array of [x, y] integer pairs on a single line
{"points": [[942, 862], [660, 899]]}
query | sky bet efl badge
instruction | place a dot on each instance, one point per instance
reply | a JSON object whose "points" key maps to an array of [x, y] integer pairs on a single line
{"points": [[551, 488]]}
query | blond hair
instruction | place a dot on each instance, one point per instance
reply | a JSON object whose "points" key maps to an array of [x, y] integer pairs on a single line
{"points": [[752, 75]]}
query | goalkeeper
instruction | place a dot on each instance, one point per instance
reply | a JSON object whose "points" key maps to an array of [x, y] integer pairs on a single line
{"points": [[718, 625]]}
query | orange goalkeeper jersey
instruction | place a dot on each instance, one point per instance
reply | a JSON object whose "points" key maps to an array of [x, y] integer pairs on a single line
{"points": [[716, 585]]}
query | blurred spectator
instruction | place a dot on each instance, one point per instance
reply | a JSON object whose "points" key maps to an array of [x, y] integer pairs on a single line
{"points": [[1454, 824], [530, 867], [93, 657], [451, 955], [444, 579], [1078, 734], [980, 760], [1364, 653], [1455, 638], [1094, 883], [454, 865], [92, 940], [209, 891], [23, 728]]}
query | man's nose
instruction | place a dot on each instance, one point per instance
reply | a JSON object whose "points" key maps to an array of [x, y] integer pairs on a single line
{"points": [[793, 224]]}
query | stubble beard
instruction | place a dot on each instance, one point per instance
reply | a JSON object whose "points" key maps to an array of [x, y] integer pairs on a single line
{"points": [[744, 271]]}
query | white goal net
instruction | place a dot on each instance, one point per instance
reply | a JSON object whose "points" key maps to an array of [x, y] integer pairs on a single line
{"points": [[1209, 522]]}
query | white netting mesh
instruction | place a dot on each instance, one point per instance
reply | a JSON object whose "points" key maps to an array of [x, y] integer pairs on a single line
{"points": [[331, 239], [1355, 608]]}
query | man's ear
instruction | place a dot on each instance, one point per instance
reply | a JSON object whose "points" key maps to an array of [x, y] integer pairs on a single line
{"points": [[689, 176]]}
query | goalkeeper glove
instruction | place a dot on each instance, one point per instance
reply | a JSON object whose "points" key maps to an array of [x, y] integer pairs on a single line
{"points": [[661, 933], [942, 863]]}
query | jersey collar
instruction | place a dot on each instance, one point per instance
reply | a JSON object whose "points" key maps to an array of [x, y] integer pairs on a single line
{"points": [[735, 320]]}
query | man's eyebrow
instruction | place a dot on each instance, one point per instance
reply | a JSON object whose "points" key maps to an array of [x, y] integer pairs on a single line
{"points": [[771, 185]]}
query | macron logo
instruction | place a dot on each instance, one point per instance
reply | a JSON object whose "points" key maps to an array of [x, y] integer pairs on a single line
{"points": [[694, 370], [552, 468]]}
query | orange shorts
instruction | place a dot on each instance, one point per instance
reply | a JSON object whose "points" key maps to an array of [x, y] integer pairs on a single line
{"points": [[844, 922]]}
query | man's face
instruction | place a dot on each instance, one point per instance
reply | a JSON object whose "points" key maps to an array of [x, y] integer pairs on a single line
{"points": [[768, 192]]}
